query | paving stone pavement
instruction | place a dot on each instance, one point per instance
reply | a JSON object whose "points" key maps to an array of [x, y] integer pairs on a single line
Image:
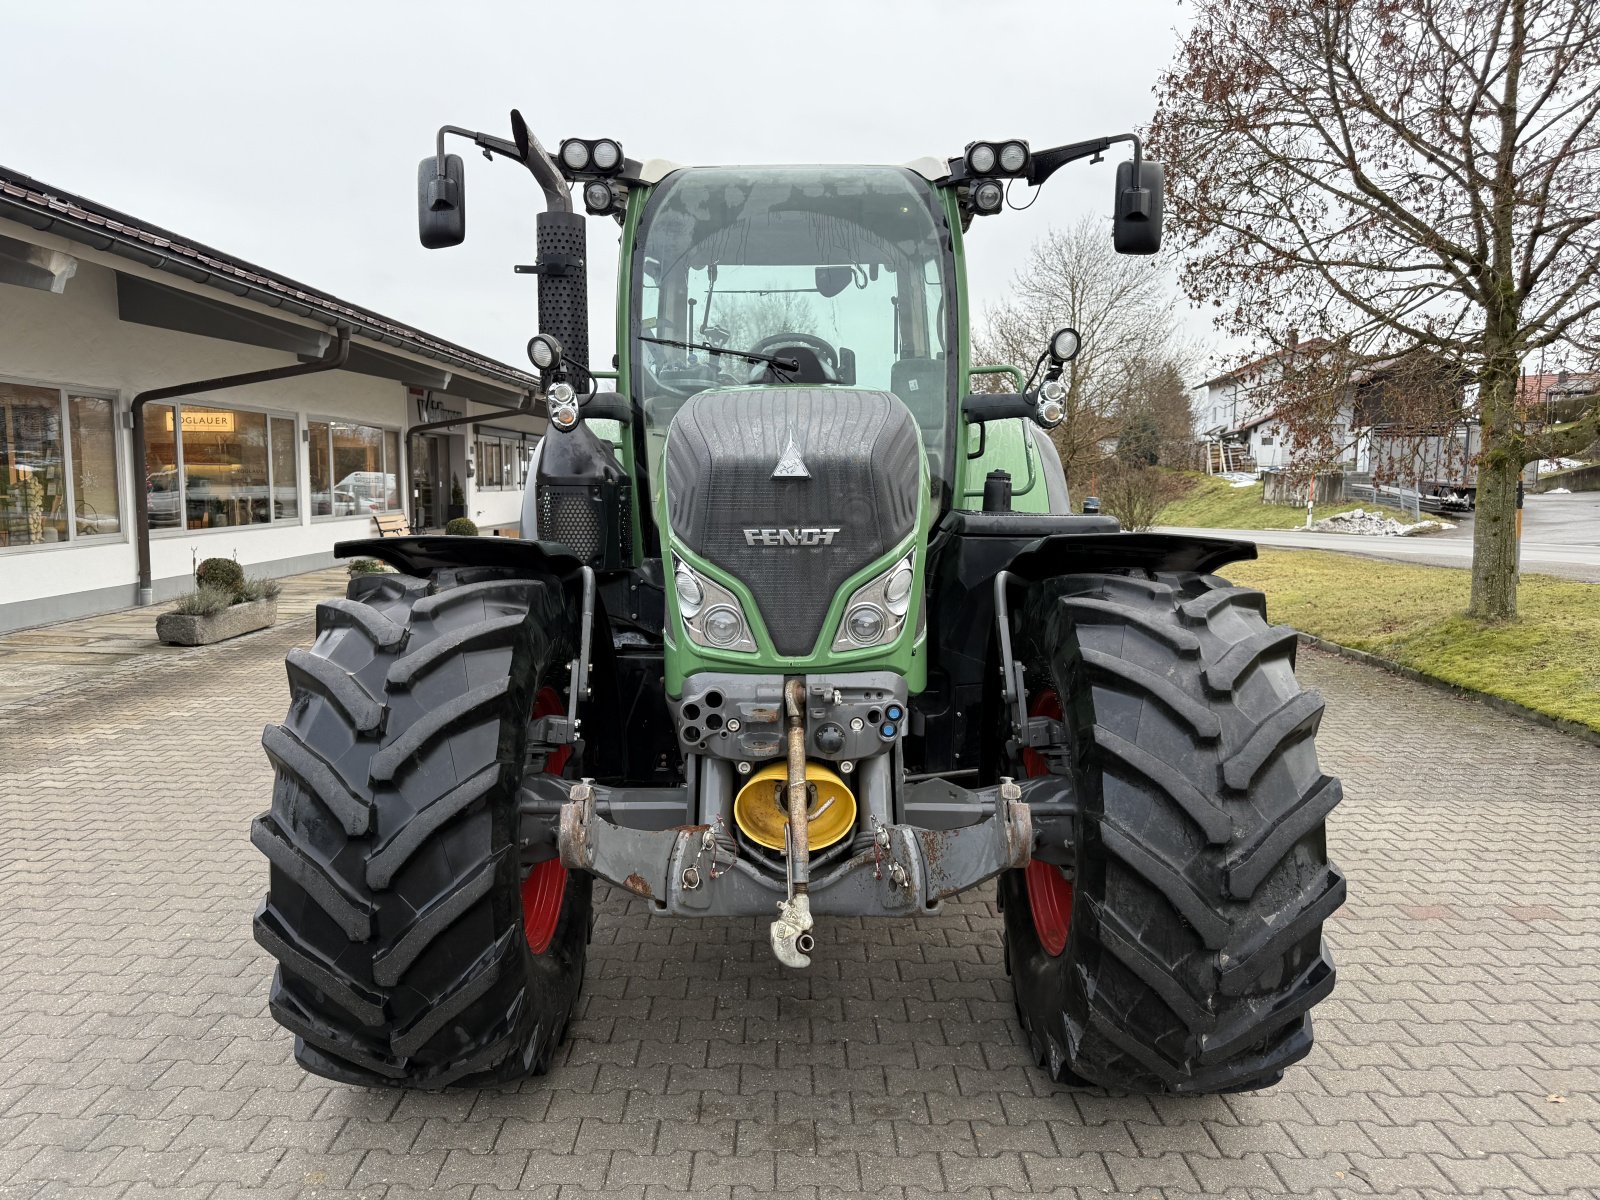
{"points": [[1460, 1054]]}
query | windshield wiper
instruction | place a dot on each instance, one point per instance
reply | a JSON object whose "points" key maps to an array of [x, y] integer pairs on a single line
{"points": [[783, 364]]}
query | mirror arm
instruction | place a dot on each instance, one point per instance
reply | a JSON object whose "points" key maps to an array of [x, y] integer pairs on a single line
{"points": [[1046, 163], [539, 164]]}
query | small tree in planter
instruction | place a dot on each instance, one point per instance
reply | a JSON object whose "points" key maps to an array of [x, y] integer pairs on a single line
{"points": [[461, 527], [458, 499], [225, 604]]}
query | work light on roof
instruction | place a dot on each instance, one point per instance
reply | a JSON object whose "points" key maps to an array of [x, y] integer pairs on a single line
{"points": [[997, 158], [606, 155], [575, 154]]}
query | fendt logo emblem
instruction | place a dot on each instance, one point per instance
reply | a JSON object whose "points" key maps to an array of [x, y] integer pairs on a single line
{"points": [[811, 535]]}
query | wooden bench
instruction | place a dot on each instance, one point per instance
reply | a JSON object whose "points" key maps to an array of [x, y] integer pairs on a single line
{"points": [[392, 524]]}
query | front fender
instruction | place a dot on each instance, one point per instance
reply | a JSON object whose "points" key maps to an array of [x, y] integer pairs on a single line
{"points": [[1074, 553], [424, 553]]}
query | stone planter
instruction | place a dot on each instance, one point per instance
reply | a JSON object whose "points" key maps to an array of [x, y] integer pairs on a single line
{"points": [[176, 629]]}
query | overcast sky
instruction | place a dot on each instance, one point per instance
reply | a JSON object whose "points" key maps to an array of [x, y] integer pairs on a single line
{"points": [[288, 132]]}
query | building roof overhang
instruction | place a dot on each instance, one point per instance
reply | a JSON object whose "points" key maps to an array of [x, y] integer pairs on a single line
{"points": [[212, 294]]}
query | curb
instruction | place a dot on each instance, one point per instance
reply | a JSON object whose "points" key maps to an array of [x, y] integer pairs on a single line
{"points": [[1510, 707]]}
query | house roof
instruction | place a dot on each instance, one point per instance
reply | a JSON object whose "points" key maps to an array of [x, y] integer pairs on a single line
{"points": [[42, 207], [1533, 389], [1256, 364]]}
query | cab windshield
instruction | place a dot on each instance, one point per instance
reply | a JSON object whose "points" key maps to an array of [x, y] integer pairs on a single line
{"points": [[841, 273]]}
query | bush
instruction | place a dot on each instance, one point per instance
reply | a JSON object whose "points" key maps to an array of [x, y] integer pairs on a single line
{"points": [[1135, 495], [223, 573], [260, 589], [207, 600], [366, 566], [461, 527]]}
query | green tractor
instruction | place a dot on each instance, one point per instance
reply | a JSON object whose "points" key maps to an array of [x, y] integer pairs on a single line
{"points": [[801, 627]]}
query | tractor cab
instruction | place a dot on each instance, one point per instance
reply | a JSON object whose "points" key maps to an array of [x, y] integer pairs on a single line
{"points": [[793, 277]]}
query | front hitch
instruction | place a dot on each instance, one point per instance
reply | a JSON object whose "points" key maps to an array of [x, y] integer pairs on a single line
{"points": [[791, 932]]}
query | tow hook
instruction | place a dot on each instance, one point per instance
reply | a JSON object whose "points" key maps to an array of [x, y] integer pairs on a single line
{"points": [[792, 942], [791, 932]]}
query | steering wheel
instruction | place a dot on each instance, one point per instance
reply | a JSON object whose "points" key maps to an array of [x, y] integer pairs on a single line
{"points": [[827, 356]]}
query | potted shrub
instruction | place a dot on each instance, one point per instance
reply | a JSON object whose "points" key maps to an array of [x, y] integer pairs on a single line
{"points": [[223, 605], [458, 499], [461, 527]]}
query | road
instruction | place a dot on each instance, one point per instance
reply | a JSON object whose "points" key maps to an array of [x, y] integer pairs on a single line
{"points": [[1459, 1055], [1561, 536]]}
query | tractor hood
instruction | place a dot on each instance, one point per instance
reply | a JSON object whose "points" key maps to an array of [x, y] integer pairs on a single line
{"points": [[791, 491]]}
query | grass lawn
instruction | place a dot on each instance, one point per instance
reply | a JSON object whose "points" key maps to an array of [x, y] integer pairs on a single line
{"points": [[1212, 503], [1547, 660]]}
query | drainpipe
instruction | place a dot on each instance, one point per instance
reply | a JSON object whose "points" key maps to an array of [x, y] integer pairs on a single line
{"points": [[521, 410], [331, 361]]}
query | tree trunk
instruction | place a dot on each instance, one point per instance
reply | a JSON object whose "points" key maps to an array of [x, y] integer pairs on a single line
{"points": [[1494, 541], [1494, 534]]}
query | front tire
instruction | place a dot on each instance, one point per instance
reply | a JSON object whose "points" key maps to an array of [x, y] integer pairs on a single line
{"points": [[1192, 952], [396, 901]]}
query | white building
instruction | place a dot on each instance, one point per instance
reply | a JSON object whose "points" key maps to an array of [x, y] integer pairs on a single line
{"points": [[1236, 414], [97, 308]]}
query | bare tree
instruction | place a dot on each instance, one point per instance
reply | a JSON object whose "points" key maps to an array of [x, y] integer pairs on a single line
{"points": [[1401, 175], [1123, 307]]}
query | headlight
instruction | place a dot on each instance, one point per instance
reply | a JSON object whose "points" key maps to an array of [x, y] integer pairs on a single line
{"points": [[1051, 408], [711, 614], [864, 624], [877, 610], [1013, 157], [690, 594], [980, 158], [897, 592], [723, 625], [598, 198], [607, 154], [987, 196]]}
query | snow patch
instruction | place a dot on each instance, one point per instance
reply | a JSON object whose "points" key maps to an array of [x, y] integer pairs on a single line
{"points": [[1238, 479], [1373, 524]]}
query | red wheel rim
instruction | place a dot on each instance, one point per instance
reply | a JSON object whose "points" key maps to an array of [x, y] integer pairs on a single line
{"points": [[542, 893], [1049, 891], [1050, 898], [545, 887]]}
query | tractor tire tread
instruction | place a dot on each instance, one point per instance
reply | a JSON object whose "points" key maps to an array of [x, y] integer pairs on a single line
{"points": [[394, 909], [1201, 882]]}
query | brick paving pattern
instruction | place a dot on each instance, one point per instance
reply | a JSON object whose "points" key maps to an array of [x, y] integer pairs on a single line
{"points": [[1460, 1054]]}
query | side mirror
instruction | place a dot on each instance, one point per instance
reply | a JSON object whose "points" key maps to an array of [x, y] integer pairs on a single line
{"points": [[847, 366], [441, 202], [1136, 225]]}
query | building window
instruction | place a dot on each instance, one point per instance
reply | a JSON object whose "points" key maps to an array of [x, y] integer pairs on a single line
{"points": [[502, 461], [354, 469], [219, 468], [58, 466]]}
